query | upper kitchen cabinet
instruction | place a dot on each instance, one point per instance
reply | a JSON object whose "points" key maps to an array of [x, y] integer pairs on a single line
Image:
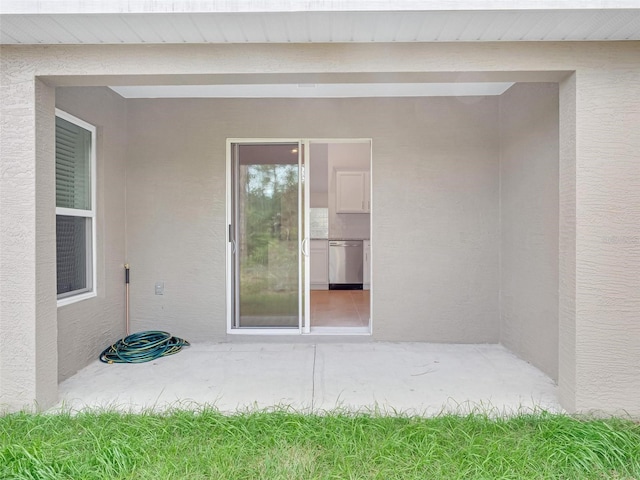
{"points": [[353, 191]]}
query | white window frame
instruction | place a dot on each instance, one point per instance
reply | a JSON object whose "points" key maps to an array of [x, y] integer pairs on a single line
{"points": [[70, 297]]}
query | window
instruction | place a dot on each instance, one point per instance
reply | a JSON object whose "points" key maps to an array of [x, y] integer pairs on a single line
{"points": [[75, 208]]}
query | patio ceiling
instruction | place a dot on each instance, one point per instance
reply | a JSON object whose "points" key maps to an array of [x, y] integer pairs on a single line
{"points": [[281, 21], [329, 21]]}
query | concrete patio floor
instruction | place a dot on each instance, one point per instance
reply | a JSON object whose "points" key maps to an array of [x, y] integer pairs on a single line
{"points": [[413, 378]]}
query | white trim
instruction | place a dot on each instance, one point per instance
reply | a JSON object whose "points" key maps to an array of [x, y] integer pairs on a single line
{"points": [[371, 230], [93, 261], [302, 258], [340, 140], [229, 263], [73, 212], [264, 331], [361, 331], [76, 298], [229, 253], [247, 141], [75, 120], [306, 204]]}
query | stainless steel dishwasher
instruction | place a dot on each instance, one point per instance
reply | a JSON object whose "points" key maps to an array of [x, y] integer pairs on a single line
{"points": [[345, 265]]}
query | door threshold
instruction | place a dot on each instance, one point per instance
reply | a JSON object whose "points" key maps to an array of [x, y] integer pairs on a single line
{"points": [[263, 331], [340, 331]]}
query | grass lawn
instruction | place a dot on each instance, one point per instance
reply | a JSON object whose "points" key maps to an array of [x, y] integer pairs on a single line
{"points": [[285, 445]]}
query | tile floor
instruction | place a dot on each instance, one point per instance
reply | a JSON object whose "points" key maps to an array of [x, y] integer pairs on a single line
{"points": [[414, 378], [340, 308]]}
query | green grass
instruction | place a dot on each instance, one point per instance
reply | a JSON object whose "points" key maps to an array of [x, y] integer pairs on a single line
{"points": [[284, 445]]}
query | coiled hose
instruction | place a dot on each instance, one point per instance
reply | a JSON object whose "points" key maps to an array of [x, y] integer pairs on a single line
{"points": [[143, 347]]}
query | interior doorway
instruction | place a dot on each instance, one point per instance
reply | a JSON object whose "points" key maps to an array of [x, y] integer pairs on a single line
{"points": [[299, 237], [340, 232]]}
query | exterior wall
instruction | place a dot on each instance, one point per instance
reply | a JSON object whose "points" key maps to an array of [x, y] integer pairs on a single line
{"points": [[87, 327], [28, 352], [435, 222], [607, 330], [529, 158], [567, 363], [46, 360], [176, 224], [436, 242], [599, 145]]}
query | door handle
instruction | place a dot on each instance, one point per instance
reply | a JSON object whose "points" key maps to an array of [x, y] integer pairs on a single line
{"points": [[232, 240], [302, 246]]}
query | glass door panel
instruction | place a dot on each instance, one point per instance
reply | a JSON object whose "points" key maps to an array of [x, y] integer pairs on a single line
{"points": [[266, 198]]}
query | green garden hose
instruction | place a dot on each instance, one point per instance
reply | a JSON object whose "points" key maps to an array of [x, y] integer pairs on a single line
{"points": [[143, 347]]}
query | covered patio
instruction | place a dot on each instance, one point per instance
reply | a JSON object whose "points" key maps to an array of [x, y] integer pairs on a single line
{"points": [[381, 377], [505, 227]]}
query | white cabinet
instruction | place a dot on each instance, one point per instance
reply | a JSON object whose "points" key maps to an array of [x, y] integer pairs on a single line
{"points": [[319, 265], [366, 264], [353, 191]]}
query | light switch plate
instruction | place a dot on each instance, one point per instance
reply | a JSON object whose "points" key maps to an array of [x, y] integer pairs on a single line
{"points": [[159, 288]]}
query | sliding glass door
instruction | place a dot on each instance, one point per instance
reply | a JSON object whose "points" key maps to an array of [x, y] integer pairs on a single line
{"points": [[266, 235]]}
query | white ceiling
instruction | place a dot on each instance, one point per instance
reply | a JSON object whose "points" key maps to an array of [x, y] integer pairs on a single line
{"points": [[305, 21], [216, 6], [326, 90]]}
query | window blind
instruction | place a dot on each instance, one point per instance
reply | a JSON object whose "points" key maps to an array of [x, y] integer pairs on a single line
{"points": [[71, 252], [73, 166]]}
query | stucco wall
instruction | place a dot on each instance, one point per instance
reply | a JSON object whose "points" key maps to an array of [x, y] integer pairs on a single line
{"points": [[567, 360], [87, 327], [607, 329], [28, 349], [599, 363], [529, 159], [435, 174]]}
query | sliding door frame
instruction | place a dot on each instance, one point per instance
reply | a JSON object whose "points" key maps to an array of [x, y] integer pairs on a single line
{"points": [[303, 242], [304, 307]]}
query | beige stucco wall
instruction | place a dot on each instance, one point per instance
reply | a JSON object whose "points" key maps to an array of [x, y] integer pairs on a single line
{"points": [[599, 361], [28, 334], [176, 227], [435, 223], [529, 160], [567, 360], [87, 327], [435, 176], [607, 322]]}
